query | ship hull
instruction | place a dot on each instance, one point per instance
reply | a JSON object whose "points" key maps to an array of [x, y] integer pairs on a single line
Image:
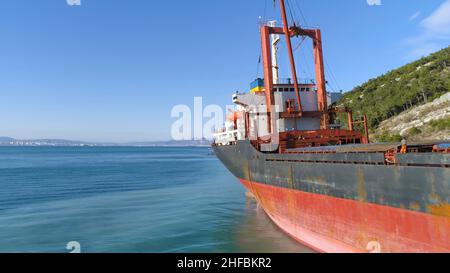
{"points": [[334, 225], [355, 212]]}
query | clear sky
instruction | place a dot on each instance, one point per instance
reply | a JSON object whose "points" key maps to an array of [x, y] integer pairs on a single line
{"points": [[113, 70]]}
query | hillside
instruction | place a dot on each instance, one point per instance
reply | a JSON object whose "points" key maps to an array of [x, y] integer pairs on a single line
{"points": [[412, 101]]}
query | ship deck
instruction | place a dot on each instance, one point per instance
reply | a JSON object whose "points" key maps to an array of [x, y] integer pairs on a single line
{"points": [[368, 148]]}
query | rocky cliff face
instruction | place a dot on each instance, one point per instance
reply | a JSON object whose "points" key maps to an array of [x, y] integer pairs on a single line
{"points": [[430, 121]]}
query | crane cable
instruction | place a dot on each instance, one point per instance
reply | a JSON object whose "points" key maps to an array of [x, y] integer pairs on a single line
{"points": [[289, 8], [328, 68], [292, 12], [297, 5]]}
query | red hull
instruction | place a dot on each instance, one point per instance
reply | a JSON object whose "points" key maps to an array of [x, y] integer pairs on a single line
{"points": [[335, 225]]}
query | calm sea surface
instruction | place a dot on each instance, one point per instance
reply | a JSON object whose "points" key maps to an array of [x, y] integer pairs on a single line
{"points": [[128, 200]]}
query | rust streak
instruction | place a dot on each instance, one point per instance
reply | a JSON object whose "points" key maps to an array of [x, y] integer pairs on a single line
{"points": [[415, 206], [442, 209], [362, 194]]}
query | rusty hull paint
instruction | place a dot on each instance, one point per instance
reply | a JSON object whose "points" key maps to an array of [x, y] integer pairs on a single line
{"points": [[329, 224], [418, 195]]}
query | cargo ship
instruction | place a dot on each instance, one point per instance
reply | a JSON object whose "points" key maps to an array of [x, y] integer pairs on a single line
{"points": [[322, 181]]}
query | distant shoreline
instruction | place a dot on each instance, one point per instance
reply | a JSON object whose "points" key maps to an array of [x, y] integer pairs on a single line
{"points": [[110, 146], [11, 142]]}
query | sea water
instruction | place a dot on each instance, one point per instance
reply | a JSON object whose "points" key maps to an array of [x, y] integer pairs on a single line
{"points": [[128, 199]]}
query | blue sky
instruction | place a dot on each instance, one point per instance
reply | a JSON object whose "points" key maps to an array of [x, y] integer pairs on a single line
{"points": [[113, 70]]}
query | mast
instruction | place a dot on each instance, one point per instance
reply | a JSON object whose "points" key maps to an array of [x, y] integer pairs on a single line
{"points": [[291, 54], [275, 40]]}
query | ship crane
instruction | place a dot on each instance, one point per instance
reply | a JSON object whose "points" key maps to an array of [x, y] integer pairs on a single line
{"points": [[294, 113], [299, 115], [266, 33]]}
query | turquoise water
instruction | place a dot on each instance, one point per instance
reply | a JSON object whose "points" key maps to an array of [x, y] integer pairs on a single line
{"points": [[128, 200]]}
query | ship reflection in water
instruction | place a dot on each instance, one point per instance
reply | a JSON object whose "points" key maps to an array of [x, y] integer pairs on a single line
{"points": [[258, 233]]}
